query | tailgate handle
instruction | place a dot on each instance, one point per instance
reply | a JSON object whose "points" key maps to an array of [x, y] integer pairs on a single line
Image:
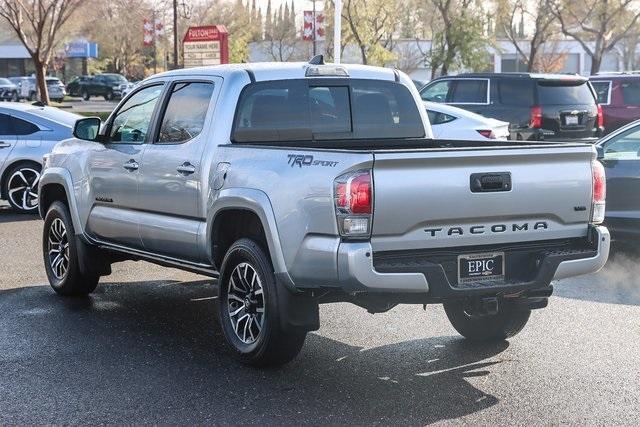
{"points": [[490, 181]]}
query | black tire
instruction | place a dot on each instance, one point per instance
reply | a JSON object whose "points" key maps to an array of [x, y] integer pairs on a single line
{"points": [[32, 97], [85, 95], [108, 96], [71, 282], [273, 345], [29, 171], [15, 97], [505, 324]]}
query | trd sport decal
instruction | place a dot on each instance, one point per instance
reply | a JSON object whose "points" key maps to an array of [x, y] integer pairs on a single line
{"points": [[307, 160]]}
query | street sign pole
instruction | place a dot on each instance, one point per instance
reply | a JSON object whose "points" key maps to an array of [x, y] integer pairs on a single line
{"points": [[337, 30]]}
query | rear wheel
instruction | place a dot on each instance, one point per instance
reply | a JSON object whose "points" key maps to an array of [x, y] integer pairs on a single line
{"points": [[249, 309], [108, 96], [507, 322], [15, 97], [85, 95], [21, 187], [61, 255]]}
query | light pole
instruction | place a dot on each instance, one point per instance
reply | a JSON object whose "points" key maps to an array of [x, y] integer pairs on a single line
{"points": [[337, 30], [186, 15]]}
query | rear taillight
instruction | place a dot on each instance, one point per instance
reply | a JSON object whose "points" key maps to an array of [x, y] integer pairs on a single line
{"points": [[599, 192], [536, 117], [353, 197], [487, 133], [600, 116]]}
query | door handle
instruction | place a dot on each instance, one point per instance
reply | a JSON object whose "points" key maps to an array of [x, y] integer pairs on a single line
{"points": [[131, 165], [186, 168], [4, 144]]}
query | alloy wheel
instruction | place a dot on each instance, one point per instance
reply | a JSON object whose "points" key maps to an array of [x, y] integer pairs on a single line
{"points": [[23, 188], [245, 303], [58, 249]]}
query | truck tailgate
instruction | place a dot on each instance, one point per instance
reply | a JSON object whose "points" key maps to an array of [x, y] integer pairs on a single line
{"points": [[480, 196]]}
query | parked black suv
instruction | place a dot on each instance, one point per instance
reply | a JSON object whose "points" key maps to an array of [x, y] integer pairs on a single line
{"points": [[537, 106], [107, 85]]}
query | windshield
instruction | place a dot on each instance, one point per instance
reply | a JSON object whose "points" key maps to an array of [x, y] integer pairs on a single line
{"points": [[4, 81], [564, 93], [53, 82]]}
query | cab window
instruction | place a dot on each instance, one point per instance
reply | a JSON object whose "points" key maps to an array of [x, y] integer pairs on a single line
{"points": [[131, 123]]}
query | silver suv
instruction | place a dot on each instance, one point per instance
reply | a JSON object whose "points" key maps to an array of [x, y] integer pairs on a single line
{"points": [[300, 184]]}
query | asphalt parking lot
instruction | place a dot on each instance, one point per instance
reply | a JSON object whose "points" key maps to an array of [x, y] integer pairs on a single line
{"points": [[145, 348]]}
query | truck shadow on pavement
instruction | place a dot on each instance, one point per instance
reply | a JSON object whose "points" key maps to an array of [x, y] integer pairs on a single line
{"points": [[152, 352]]}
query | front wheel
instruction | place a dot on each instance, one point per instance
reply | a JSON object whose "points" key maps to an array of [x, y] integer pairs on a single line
{"points": [[85, 95], [62, 256], [249, 308], [507, 322], [108, 96]]}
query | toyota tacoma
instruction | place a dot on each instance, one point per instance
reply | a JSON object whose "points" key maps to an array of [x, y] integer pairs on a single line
{"points": [[309, 183]]}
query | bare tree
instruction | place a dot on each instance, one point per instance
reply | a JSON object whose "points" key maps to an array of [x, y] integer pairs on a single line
{"points": [[37, 24], [544, 27], [598, 25]]}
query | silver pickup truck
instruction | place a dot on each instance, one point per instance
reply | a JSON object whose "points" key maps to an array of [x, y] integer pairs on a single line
{"points": [[307, 183]]}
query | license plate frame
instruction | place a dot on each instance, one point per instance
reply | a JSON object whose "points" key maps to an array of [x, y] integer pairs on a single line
{"points": [[481, 270], [571, 120]]}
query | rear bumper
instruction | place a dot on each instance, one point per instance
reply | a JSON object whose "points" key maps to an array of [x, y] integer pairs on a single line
{"points": [[431, 274]]}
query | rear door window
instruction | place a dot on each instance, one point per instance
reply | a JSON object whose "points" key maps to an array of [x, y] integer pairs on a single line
{"points": [[301, 110], [631, 93], [470, 91], [5, 125], [603, 91], [564, 93], [23, 127], [185, 112]]}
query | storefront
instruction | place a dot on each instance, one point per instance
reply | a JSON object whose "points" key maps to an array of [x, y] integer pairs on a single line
{"points": [[15, 61]]}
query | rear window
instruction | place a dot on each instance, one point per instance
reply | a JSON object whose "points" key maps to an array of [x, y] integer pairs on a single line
{"points": [[602, 91], [470, 91], [304, 110], [55, 115], [515, 92], [564, 93], [631, 93]]}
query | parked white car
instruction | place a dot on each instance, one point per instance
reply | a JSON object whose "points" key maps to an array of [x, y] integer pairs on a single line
{"points": [[449, 122]]}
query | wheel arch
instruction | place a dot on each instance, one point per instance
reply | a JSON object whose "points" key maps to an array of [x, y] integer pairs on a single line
{"points": [[56, 184], [251, 208]]}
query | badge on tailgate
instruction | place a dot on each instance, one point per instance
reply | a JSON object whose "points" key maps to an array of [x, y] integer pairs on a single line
{"points": [[482, 267]]}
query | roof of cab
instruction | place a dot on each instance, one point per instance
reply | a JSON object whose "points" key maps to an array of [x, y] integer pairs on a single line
{"points": [[264, 71]]}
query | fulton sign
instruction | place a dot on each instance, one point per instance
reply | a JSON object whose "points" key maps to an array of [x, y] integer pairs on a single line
{"points": [[208, 45]]}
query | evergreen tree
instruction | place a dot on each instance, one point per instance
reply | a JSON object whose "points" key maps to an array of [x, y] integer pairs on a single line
{"points": [[268, 23]]}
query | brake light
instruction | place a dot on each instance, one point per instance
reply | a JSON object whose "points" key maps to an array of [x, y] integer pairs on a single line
{"points": [[536, 117], [600, 116], [599, 192], [353, 196], [487, 133]]}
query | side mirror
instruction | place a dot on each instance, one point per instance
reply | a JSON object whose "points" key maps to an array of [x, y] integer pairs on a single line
{"points": [[87, 129], [600, 150]]}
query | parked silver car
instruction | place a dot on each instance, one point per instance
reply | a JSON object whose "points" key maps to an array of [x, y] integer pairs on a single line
{"points": [[27, 133]]}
